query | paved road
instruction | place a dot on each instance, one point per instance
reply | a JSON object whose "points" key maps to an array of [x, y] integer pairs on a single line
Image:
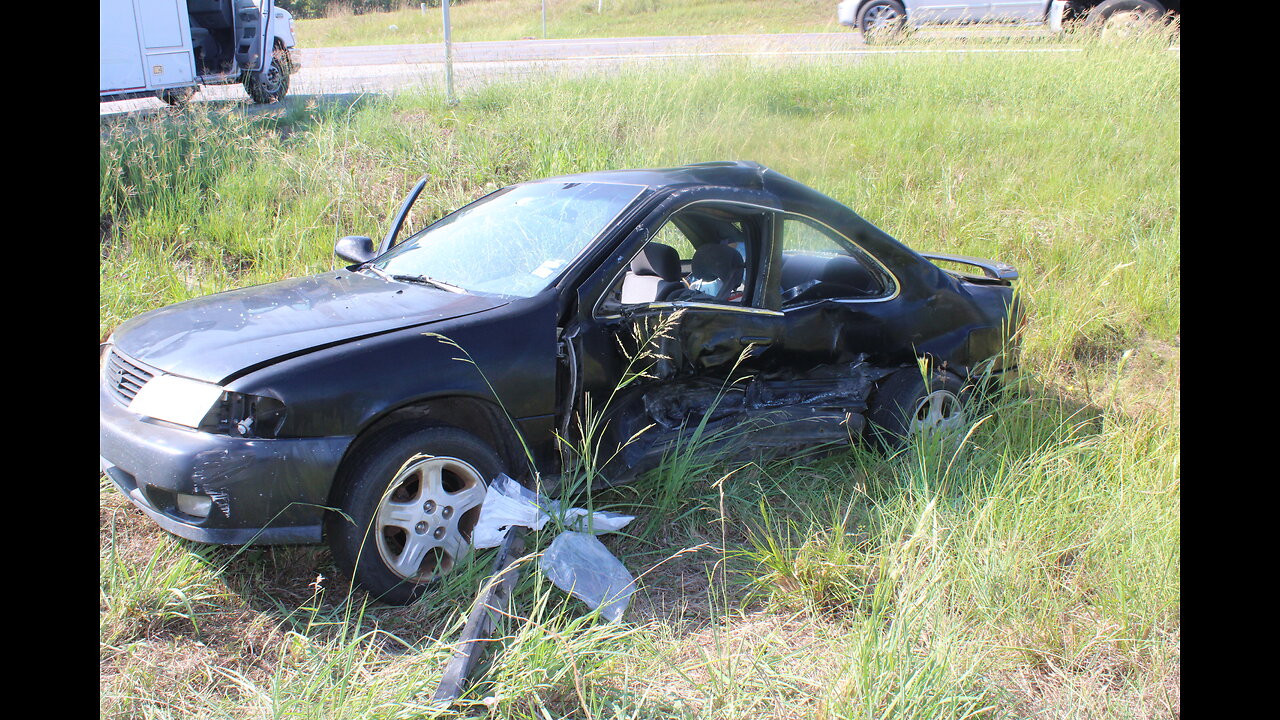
{"points": [[590, 48], [382, 68]]}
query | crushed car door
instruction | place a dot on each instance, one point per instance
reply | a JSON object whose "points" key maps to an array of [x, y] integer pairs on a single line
{"points": [[837, 298], [676, 338], [676, 359], [812, 324]]}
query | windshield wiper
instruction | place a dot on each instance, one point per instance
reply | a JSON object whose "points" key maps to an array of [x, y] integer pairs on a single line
{"points": [[420, 279], [376, 271], [424, 280]]}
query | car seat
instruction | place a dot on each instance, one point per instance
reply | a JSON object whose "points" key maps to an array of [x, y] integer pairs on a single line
{"points": [[654, 275], [718, 269]]}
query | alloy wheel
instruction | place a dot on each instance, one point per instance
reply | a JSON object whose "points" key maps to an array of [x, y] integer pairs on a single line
{"points": [[940, 410], [424, 524], [883, 17]]}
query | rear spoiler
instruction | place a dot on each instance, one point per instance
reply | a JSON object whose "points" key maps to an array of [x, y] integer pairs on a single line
{"points": [[991, 269]]}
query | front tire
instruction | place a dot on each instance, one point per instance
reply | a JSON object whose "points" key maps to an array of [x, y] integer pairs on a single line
{"points": [[413, 496], [274, 86], [882, 19]]}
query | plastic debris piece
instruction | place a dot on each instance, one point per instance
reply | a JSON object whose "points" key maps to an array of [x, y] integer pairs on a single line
{"points": [[596, 523], [508, 503], [582, 566], [576, 562], [492, 605]]}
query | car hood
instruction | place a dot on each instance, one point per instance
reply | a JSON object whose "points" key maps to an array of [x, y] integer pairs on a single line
{"points": [[218, 336]]}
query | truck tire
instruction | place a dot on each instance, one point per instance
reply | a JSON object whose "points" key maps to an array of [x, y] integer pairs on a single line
{"points": [[276, 83]]}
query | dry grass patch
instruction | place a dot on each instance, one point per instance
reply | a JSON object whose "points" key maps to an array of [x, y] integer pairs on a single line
{"points": [[759, 665], [1104, 686]]}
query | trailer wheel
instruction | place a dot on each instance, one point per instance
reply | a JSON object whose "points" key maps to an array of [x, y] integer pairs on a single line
{"points": [[176, 97], [276, 83]]}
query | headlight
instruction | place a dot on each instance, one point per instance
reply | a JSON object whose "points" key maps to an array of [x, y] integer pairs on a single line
{"points": [[244, 415], [208, 407], [175, 399]]}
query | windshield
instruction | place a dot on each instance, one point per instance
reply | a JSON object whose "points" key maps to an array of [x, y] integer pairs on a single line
{"points": [[513, 242]]}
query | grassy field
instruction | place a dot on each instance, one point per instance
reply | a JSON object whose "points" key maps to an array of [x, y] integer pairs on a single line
{"points": [[1031, 572], [477, 20]]}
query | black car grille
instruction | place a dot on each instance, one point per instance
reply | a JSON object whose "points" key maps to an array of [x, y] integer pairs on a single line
{"points": [[124, 376]]}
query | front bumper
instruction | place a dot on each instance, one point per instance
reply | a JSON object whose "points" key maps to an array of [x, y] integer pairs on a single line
{"points": [[262, 491]]}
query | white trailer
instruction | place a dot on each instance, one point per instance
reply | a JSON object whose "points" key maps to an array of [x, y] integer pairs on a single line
{"points": [[169, 48]]}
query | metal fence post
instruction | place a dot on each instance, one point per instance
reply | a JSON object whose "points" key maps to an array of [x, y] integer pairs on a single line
{"points": [[448, 56]]}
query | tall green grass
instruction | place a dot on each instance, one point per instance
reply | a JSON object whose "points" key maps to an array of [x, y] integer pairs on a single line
{"points": [[1031, 570]]}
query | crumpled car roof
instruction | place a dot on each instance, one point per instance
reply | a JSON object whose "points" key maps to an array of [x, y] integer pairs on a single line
{"points": [[733, 174]]}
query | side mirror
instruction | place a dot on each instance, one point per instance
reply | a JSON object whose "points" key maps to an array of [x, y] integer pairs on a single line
{"points": [[354, 248]]}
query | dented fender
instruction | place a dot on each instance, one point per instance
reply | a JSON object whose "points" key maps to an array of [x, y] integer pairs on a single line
{"points": [[279, 485]]}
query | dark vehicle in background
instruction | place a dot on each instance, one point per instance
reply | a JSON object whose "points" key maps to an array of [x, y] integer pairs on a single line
{"points": [[874, 17], [393, 389]]}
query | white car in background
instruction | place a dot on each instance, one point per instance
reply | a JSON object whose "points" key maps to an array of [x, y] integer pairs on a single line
{"points": [[892, 16]]}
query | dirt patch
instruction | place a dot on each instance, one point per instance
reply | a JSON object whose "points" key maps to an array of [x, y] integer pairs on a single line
{"points": [[131, 535], [235, 652], [677, 592], [1142, 376], [1151, 378], [1103, 347]]}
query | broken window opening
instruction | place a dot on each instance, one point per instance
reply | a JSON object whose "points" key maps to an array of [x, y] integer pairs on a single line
{"points": [[704, 254], [819, 265]]}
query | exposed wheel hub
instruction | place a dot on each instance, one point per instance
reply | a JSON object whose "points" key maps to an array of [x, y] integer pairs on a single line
{"points": [[272, 83]]}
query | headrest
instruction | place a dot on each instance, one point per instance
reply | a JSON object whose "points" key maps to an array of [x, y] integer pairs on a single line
{"points": [[718, 262], [658, 259]]}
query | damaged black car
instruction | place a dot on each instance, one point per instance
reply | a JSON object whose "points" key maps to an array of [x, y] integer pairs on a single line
{"points": [[368, 407]]}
